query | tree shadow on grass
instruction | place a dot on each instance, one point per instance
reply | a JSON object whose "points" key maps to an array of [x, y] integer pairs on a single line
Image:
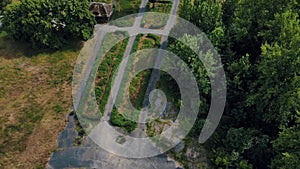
{"points": [[12, 49], [163, 1]]}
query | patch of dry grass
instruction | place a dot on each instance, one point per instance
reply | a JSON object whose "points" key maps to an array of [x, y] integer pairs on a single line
{"points": [[35, 90]]}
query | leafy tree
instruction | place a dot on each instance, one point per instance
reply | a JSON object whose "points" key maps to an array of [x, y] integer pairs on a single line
{"points": [[259, 45], [247, 18], [251, 144], [287, 147], [238, 80], [192, 59], [184, 48], [3, 4], [225, 160], [276, 91], [49, 23], [207, 14]]}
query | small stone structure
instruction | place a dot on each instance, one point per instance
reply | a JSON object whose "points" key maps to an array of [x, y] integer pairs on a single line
{"points": [[102, 11]]}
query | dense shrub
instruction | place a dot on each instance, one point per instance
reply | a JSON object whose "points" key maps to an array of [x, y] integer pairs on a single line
{"points": [[119, 120], [49, 24]]}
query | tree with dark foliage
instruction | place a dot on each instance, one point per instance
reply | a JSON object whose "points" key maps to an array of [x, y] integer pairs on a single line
{"points": [[3, 4]]}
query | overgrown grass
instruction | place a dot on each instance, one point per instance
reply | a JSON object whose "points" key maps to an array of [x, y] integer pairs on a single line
{"points": [[118, 119], [171, 90], [139, 83], [80, 130], [138, 87], [136, 43], [156, 20], [124, 8]]}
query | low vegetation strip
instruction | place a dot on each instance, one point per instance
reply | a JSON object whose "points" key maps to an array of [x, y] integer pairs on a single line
{"points": [[108, 66], [137, 87], [121, 121], [139, 83], [127, 7], [88, 109], [169, 86]]}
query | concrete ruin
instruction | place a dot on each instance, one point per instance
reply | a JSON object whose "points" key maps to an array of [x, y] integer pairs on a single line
{"points": [[102, 11]]}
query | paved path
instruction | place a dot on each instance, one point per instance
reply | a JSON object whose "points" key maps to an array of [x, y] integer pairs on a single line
{"points": [[155, 74], [117, 81], [142, 128], [90, 155]]}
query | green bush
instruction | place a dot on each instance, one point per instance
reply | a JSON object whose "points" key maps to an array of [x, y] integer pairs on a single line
{"points": [[119, 120], [156, 38], [49, 24]]}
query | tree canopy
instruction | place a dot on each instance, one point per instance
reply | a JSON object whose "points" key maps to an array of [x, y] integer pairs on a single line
{"points": [[49, 23], [259, 42], [3, 4]]}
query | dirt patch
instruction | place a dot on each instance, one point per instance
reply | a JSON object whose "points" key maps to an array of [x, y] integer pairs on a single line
{"points": [[38, 145]]}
